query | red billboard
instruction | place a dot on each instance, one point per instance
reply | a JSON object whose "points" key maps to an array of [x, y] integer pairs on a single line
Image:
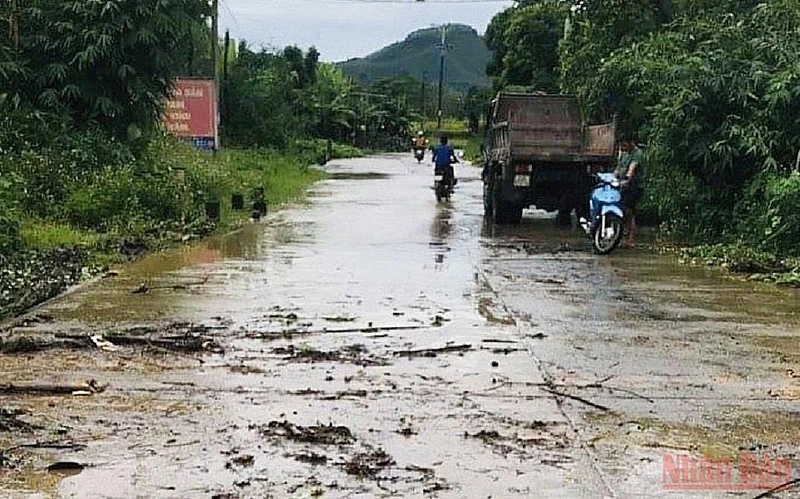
{"points": [[191, 111]]}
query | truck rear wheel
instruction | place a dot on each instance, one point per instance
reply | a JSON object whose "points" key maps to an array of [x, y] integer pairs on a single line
{"points": [[565, 206], [506, 213], [488, 200], [564, 217]]}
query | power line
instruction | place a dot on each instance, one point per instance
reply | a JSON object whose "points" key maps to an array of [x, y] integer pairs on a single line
{"points": [[230, 13], [407, 2]]}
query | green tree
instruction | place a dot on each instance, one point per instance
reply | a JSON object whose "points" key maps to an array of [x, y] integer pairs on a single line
{"points": [[525, 41], [717, 97], [101, 62], [334, 116], [260, 100]]}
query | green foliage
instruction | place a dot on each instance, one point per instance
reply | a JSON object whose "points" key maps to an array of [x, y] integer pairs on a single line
{"points": [[739, 258], [260, 105], [315, 150], [276, 99], [525, 42], [769, 214], [715, 93], [100, 61], [43, 234], [9, 218]]}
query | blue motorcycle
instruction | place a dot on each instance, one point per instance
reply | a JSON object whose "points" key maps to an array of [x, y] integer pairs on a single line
{"points": [[605, 214]]}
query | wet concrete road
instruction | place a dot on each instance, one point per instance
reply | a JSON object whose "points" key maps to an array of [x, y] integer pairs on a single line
{"points": [[380, 345]]}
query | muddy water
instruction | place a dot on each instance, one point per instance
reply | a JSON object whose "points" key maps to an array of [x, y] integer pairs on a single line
{"points": [[377, 344]]}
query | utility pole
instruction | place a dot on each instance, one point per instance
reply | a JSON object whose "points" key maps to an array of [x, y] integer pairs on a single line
{"points": [[442, 54], [223, 97], [13, 25], [214, 38], [214, 69]]}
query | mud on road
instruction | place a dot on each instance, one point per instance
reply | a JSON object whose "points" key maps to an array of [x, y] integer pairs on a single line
{"points": [[376, 344]]}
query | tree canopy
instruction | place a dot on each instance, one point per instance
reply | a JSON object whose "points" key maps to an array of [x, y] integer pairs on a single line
{"points": [[711, 86], [97, 62]]}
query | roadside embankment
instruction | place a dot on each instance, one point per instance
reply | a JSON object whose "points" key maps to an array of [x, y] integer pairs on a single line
{"points": [[69, 214]]}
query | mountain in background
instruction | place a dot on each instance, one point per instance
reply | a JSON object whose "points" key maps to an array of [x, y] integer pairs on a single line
{"points": [[465, 64]]}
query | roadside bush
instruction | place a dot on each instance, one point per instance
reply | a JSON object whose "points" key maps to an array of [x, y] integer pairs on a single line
{"points": [[736, 258], [107, 197], [9, 218], [146, 189], [770, 212], [715, 96], [312, 151]]}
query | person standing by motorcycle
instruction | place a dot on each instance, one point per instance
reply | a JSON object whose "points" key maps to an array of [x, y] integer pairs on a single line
{"points": [[444, 156], [631, 172]]}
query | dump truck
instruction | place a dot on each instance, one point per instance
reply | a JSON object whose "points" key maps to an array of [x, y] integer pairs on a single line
{"points": [[538, 152]]}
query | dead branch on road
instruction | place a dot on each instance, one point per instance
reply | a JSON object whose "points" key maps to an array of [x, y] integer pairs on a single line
{"points": [[600, 384], [60, 445], [575, 397], [187, 342], [143, 288], [780, 488], [88, 388], [432, 352], [493, 340], [291, 333]]}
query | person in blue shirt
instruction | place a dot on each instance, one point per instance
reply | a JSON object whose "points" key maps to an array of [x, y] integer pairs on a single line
{"points": [[443, 158]]}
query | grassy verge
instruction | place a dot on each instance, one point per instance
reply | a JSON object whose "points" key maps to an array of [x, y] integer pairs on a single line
{"points": [[745, 261], [116, 215]]}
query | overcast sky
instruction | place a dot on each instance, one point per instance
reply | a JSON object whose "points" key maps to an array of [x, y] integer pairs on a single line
{"points": [[341, 29]]}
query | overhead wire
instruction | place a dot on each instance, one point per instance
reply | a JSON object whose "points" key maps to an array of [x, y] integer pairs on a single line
{"points": [[407, 2], [230, 13]]}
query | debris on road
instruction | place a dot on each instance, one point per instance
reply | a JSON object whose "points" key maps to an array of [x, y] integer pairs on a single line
{"points": [[288, 334], [340, 319], [103, 344], [65, 467], [433, 352], [575, 397], [243, 461], [310, 458], [177, 337], [516, 444], [368, 464], [316, 434], [89, 388], [9, 421], [353, 354], [144, 288], [22, 344]]}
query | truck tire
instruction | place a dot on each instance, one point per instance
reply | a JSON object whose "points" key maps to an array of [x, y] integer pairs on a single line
{"points": [[564, 217], [565, 206], [488, 200], [505, 213]]}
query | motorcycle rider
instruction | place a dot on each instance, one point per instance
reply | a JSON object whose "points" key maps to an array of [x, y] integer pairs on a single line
{"points": [[420, 142], [443, 158], [631, 172]]}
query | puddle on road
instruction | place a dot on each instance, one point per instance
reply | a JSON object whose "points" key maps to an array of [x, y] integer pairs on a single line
{"points": [[420, 408]]}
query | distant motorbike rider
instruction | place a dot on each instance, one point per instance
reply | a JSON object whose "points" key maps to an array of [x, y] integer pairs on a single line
{"points": [[420, 142], [443, 158]]}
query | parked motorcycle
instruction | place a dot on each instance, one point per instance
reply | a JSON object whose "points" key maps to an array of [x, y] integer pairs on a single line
{"points": [[605, 224], [419, 154]]}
